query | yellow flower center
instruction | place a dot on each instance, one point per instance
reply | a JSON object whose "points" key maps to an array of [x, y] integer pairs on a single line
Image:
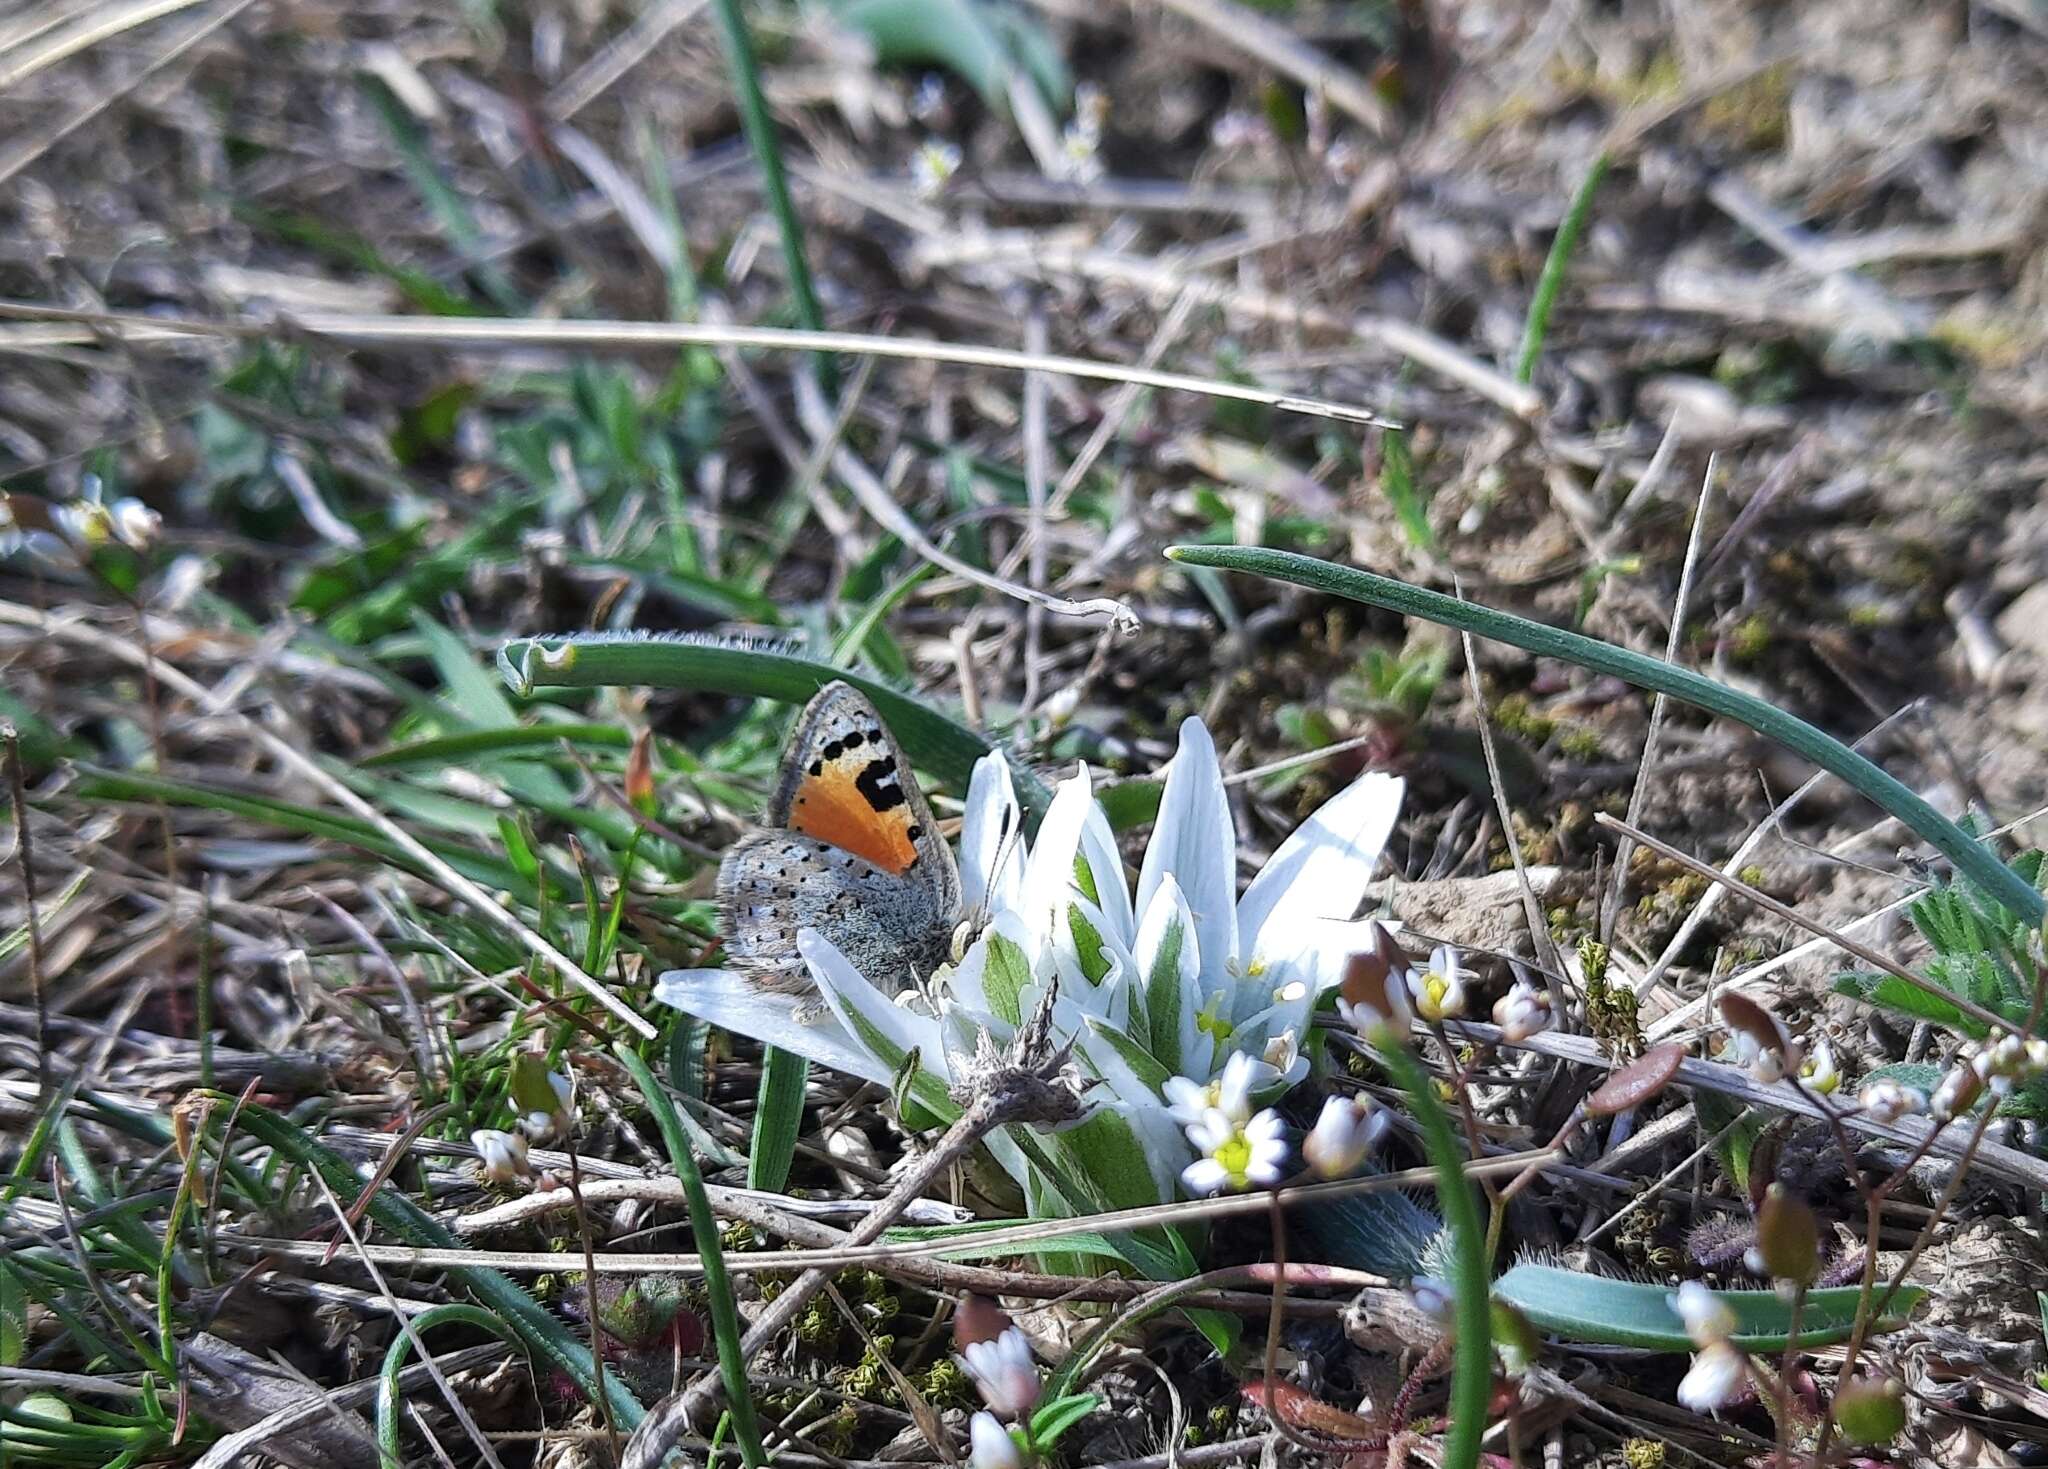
{"points": [[1209, 1022], [1236, 1158]]}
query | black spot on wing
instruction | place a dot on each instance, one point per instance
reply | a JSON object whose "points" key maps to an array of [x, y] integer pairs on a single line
{"points": [[878, 783]]}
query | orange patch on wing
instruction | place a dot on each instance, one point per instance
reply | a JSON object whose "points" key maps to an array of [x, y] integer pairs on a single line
{"points": [[831, 807]]}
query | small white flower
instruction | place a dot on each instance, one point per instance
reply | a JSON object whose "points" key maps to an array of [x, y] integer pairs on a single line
{"points": [[1885, 1101], [1706, 1316], [1440, 989], [1765, 1063], [1957, 1093], [1235, 1155], [1717, 1376], [1188, 1101], [503, 1155], [933, 166], [1818, 1071], [1431, 1297], [1003, 1370], [992, 1447], [1522, 1012], [1344, 1134], [1375, 989], [133, 523]]}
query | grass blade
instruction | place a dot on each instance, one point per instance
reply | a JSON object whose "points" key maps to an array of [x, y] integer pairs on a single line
{"points": [[1551, 281], [1472, 1362], [539, 1332], [1968, 854], [389, 1449], [726, 1330], [778, 1118], [767, 150], [596, 660]]}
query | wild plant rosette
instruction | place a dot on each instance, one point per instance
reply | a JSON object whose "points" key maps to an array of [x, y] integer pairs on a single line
{"points": [[1157, 990]]}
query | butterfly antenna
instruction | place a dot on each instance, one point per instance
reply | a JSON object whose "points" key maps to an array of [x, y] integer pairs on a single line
{"points": [[1006, 847]]}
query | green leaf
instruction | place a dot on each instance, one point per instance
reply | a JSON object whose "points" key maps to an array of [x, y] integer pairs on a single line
{"points": [[778, 1118], [594, 660], [1889, 992], [1163, 997], [1087, 944], [1005, 978], [1132, 1054], [1578, 1307], [1131, 803], [1056, 1417], [1735, 1129], [980, 42], [1970, 856]]}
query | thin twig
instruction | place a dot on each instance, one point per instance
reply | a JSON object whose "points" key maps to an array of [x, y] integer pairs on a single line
{"points": [[1812, 925]]}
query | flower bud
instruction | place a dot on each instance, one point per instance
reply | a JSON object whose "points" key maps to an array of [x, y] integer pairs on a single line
{"points": [[991, 1445], [1344, 1134], [1522, 1012], [1761, 1040], [1787, 1238], [1885, 1101], [1374, 993], [995, 1353], [640, 773], [503, 1155], [1870, 1410], [1957, 1094]]}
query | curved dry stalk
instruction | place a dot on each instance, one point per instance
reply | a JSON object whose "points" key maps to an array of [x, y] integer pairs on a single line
{"points": [[370, 331]]}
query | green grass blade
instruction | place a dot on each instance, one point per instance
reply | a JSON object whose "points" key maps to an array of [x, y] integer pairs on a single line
{"points": [[108, 785], [442, 198], [1969, 855], [778, 1118], [547, 1339], [767, 150], [726, 1331], [1576, 1307], [389, 1449], [542, 739], [1472, 1361], [940, 744], [1548, 284]]}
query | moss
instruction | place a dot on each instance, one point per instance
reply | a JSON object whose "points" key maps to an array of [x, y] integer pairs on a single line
{"points": [[868, 1379], [1579, 744], [1642, 1453], [1517, 716], [1753, 875], [945, 1385], [1751, 638], [1753, 115], [1610, 1009]]}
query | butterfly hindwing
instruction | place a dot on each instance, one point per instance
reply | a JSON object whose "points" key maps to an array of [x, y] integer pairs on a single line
{"points": [[848, 847], [773, 883]]}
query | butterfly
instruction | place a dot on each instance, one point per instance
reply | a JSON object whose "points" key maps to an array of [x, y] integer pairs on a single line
{"points": [[848, 847]]}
